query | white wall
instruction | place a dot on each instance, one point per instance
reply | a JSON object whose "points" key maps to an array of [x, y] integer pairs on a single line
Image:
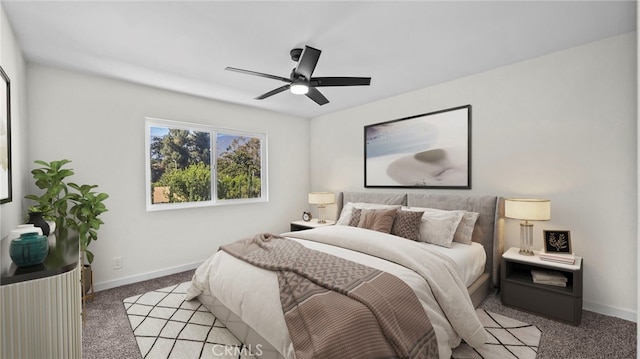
{"points": [[99, 124], [13, 65], [562, 126]]}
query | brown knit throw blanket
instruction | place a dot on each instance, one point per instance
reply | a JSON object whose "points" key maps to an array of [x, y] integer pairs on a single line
{"points": [[335, 308]]}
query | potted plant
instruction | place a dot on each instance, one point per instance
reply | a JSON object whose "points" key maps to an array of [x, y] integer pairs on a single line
{"points": [[77, 209], [53, 203], [86, 207]]}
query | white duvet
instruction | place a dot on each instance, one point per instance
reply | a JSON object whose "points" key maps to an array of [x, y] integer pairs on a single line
{"points": [[252, 293]]}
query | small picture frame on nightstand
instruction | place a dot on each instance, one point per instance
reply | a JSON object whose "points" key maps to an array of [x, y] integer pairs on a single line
{"points": [[557, 241]]}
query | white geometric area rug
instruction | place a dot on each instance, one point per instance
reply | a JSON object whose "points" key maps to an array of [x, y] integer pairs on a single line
{"points": [[166, 326], [508, 339]]}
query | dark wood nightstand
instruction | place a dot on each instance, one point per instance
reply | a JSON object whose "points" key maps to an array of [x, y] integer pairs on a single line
{"points": [[518, 290], [302, 225]]}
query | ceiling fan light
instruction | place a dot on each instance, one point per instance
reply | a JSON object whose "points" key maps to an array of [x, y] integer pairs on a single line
{"points": [[299, 89]]}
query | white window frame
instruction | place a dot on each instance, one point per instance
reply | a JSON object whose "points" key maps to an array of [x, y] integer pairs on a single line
{"points": [[213, 131]]}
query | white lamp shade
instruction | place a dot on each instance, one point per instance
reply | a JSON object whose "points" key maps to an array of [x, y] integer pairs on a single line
{"points": [[322, 197], [527, 209]]}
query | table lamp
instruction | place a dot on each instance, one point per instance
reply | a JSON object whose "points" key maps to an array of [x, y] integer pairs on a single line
{"points": [[322, 199], [527, 210]]}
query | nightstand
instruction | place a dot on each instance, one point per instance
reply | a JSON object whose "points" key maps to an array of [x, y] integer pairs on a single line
{"points": [[518, 290], [302, 225]]}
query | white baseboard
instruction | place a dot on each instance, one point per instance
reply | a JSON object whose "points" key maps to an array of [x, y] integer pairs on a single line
{"points": [[144, 276], [610, 311]]}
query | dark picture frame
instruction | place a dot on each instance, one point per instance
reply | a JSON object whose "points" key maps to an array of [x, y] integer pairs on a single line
{"points": [[429, 150], [556, 241], [6, 192]]}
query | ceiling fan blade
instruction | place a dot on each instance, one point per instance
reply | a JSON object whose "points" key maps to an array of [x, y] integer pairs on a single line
{"points": [[339, 81], [308, 61], [249, 72], [272, 92], [316, 96]]}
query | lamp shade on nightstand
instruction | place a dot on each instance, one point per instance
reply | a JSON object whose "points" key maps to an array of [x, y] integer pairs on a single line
{"points": [[527, 209], [322, 199]]}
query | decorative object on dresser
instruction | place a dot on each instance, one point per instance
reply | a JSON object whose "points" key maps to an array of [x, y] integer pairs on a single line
{"points": [[29, 250], [22, 228], [322, 199], [527, 209], [36, 218], [430, 150]]}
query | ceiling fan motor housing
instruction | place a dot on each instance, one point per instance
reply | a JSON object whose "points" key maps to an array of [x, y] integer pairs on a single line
{"points": [[295, 54]]}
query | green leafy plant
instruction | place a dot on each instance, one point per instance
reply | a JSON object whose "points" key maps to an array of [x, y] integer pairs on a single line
{"points": [[77, 209], [86, 208], [53, 203]]}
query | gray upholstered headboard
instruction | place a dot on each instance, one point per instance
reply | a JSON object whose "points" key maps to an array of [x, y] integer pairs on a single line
{"points": [[489, 227]]}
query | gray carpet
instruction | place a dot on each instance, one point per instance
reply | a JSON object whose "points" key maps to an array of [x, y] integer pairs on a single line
{"points": [[107, 333]]}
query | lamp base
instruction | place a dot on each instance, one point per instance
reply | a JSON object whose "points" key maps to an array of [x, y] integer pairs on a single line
{"points": [[321, 214], [525, 252], [526, 238]]}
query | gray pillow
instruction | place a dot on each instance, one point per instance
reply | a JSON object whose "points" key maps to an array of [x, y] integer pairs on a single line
{"points": [[380, 220], [407, 224], [355, 217]]}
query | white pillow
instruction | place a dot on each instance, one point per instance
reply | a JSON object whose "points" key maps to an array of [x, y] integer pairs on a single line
{"points": [[464, 232], [438, 226], [345, 215]]}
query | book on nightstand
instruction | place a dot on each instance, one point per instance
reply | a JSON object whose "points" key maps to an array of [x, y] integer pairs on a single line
{"points": [[549, 278], [557, 257]]}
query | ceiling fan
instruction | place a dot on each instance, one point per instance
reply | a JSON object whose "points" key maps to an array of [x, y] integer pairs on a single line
{"points": [[300, 81]]}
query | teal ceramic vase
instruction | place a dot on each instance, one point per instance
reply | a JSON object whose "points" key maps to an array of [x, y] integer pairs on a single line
{"points": [[29, 250]]}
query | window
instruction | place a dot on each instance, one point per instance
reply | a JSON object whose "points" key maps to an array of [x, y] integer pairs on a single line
{"points": [[191, 165]]}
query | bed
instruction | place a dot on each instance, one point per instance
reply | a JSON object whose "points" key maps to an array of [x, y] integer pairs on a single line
{"points": [[246, 299]]}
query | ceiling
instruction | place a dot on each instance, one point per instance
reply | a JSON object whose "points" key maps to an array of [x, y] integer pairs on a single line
{"points": [[184, 46]]}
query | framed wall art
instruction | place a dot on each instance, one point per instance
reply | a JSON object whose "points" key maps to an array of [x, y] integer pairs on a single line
{"points": [[557, 241], [430, 150], [5, 139]]}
